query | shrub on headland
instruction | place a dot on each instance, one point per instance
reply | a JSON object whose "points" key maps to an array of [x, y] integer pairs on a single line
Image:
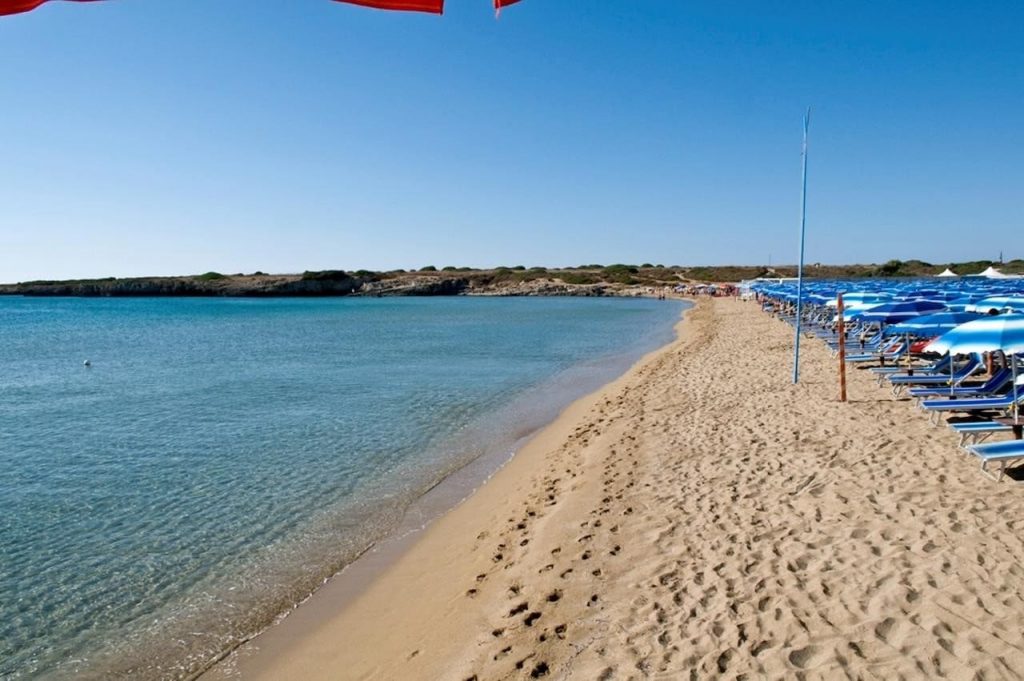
{"points": [[66, 282], [211, 276], [325, 275], [622, 274], [428, 268], [579, 278]]}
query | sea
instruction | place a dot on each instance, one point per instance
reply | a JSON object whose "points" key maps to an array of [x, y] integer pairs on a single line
{"points": [[217, 459]]}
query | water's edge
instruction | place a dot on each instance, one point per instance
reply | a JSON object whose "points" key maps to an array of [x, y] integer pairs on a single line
{"points": [[339, 590]]}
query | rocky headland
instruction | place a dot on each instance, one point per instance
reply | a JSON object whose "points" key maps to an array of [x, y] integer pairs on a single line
{"points": [[585, 280], [605, 281]]}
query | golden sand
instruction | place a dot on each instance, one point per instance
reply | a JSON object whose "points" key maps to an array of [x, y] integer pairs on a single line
{"points": [[699, 518]]}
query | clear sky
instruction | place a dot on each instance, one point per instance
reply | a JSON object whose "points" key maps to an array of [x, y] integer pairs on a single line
{"points": [[181, 136]]}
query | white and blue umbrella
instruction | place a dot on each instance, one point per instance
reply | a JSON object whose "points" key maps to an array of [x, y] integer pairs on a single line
{"points": [[892, 313], [999, 332], [988, 334], [934, 324], [861, 299], [1015, 303]]}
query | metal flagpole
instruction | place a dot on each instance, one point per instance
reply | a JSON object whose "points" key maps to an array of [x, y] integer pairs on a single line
{"points": [[800, 267]]}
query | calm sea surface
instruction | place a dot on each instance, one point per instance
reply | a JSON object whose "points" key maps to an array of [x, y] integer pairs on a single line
{"points": [[220, 458]]}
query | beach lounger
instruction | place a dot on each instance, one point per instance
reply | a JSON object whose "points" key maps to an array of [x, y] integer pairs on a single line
{"points": [[1005, 454], [892, 352], [974, 432], [989, 388], [853, 343], [899, 382], [936, 407], [933, 369]]}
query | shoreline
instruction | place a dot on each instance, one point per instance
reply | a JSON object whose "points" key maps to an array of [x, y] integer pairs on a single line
{"points": [[700, 517], [341, 590]]}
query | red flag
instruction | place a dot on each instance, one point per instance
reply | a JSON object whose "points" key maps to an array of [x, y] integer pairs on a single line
{"points": [[498, 4], [16, 6], [432, 6]]}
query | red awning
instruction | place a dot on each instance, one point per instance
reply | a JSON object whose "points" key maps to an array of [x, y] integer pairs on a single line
{"points": [[16, 6], [431, 6]]}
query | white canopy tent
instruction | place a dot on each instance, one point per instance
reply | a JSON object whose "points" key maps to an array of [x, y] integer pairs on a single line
{"points": [[993, 273]]}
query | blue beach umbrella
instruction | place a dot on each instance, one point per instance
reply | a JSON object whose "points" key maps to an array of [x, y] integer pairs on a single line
{"points": [[933, 324], [1015, 303], [1001, 332], [860, 298], [892, 313]]}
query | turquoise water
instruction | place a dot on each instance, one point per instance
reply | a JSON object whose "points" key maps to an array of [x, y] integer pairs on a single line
{"points": [[220, 458]]}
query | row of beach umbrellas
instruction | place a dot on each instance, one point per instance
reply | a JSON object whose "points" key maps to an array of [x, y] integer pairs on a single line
{"points": [[960, 317]]}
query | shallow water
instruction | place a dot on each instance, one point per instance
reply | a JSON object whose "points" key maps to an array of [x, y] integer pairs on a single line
{"points": [[220, 458]]}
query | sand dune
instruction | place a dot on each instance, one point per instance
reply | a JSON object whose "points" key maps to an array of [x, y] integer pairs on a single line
{"points": [[701, 518]]}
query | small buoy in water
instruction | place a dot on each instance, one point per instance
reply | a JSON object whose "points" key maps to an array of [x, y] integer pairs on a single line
{"points": [[87, 363]]}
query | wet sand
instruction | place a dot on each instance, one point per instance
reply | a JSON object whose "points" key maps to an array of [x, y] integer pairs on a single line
{"points": [[700, 517]]}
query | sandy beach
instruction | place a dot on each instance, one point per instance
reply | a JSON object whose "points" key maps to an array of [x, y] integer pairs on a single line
{"points": [[700, 517]]}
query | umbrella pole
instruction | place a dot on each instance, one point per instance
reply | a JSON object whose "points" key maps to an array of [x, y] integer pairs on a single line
{"points": [[952, 373], [1016, 407], [881, 355], [910, 369]]}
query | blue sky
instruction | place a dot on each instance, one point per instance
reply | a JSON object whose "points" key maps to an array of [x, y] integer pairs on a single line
{"points": [[181, 136]]}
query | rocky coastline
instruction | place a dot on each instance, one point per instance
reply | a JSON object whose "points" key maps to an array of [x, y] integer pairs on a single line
{"points": [[333, 284]]}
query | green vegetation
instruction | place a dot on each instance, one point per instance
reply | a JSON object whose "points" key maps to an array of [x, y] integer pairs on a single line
{"points": [[211, 276], [621, 274], [518, 274], [972, 267], [890, 269], [325, 275], [428, 268], [579, 278], [450, 268], [68, 282], [1013, 267]]}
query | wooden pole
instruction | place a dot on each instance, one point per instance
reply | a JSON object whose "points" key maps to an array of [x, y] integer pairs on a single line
{"points": [[842, 349]]}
